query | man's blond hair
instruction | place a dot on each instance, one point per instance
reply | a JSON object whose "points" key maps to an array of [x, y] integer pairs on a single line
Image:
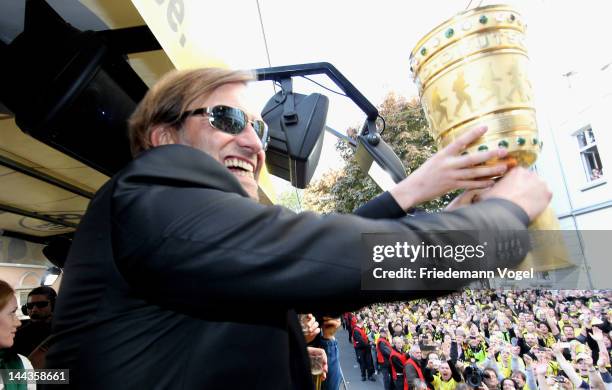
{"points": [[171, 96]]}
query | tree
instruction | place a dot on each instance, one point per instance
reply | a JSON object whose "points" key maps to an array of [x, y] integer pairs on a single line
{"points": [[291, 199], [406, 131]]}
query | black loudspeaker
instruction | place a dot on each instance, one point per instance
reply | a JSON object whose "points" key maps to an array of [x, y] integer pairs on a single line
{"points": [[68, 89], [296, 123]]}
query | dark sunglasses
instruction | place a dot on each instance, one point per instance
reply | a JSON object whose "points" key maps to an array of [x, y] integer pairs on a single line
{"points": [[230, 120], [39, 305]]}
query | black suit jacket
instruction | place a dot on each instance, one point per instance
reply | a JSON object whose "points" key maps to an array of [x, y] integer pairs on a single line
{"points": [[176, 279]]}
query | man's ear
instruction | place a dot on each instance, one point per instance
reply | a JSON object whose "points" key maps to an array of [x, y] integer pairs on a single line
{"points": [[163, 135]]}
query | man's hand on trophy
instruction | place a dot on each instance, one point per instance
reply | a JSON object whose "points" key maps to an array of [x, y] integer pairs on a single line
{"points": [[466, 198], [449, 170], [524, 188]]}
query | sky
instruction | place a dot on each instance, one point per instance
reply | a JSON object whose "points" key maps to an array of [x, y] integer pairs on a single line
{"points": [[370, 43]]}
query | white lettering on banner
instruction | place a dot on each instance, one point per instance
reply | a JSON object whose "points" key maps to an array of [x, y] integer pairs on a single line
{"points": [[175, 14]]}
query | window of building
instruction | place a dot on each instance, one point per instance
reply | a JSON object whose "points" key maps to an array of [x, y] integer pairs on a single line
{"points": [[589, 154], [22, 299]]}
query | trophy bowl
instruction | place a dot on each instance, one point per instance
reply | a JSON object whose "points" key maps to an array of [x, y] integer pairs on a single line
{"points": [[472, 71]]}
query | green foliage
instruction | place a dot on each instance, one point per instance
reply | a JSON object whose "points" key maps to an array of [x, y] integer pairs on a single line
{"points": [[406, 131], [290, 199]]}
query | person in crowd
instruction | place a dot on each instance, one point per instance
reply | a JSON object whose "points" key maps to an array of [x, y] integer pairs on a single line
{"points": [[315, 349], [413, 368], [9, 322], [476, 346], [326, 340], [397, 330], [41, 301], [442, 375], [490, 378], [419, 385], [373, 335], [352, 320], [361, 344], [520, 378], [383, 353], [509, 384], [397, 361], [458, 345]]}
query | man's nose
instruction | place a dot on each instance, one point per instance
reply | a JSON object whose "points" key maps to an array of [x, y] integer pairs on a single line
{"points": [[248, 138]]}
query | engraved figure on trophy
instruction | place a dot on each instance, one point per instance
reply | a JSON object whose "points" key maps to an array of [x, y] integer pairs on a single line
{"points": [[438, 106], [459, 87], [428, 114], [516, 81], [491, 83]]}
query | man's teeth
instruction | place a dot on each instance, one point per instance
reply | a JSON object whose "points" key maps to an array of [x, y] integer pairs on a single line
{"points": [[236, 163], [243, 173]]}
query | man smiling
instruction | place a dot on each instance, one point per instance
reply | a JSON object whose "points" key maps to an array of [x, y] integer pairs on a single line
{"points": [[242, 153], [177, 278]]}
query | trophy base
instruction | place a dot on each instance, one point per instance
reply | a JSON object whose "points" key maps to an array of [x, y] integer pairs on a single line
{"points": [[549, 250]]}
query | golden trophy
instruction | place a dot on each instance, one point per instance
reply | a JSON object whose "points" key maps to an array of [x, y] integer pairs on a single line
{"points": [[471, 71]]}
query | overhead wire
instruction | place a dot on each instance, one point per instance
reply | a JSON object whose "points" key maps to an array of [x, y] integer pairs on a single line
{"points": [[263, 33], [324, 87]]}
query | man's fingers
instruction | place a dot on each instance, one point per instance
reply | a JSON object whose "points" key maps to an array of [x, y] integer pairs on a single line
{"points": [[482, 172], [472, 159], [475, 184], [464, 140], [314, 328], [312, 323]]}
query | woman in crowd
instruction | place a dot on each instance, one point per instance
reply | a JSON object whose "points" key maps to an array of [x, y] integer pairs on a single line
{"points": [[9, 359]]}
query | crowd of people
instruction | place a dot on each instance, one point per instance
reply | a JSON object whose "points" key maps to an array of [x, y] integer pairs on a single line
{"points": [[487, 339], [479, 339]]}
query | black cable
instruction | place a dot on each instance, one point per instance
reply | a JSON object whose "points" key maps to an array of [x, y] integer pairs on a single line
{"points": [[337, 93], [342, 94], [324, 87], [297, 196], [263, 33]]}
